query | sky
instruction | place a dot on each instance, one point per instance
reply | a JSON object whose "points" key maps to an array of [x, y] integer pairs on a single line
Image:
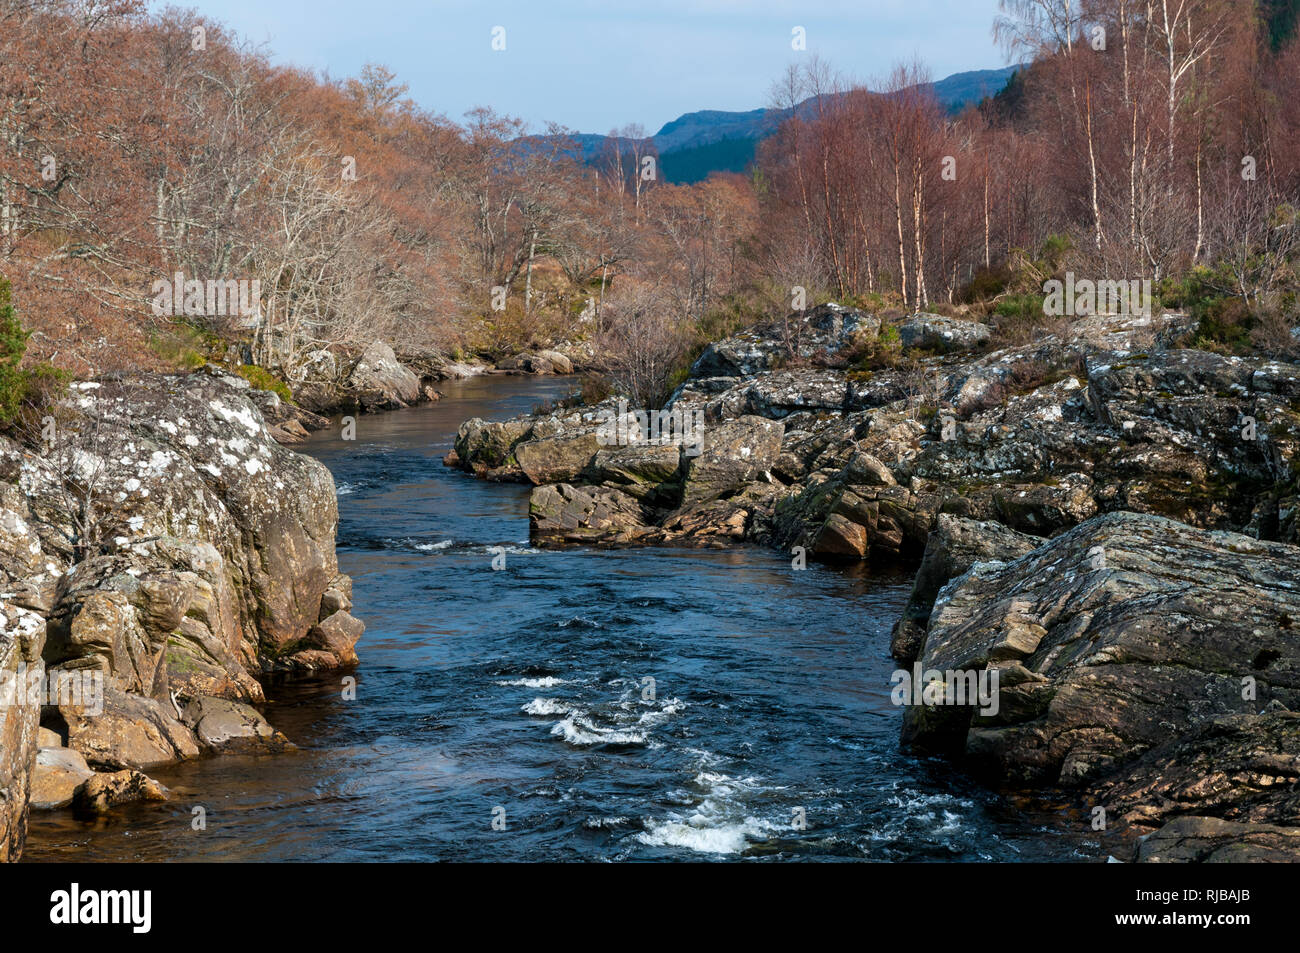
{"points": [[594, 65]]}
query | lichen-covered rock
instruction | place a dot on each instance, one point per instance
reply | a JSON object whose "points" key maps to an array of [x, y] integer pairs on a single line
{"points": [[22, 636], [381, 382], [189, 458], [828, 328], [735, 452], [954, 546], [935, 332], [1111, 637]]}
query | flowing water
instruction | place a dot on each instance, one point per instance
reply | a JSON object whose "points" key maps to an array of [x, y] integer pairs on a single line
{"points": [[639, 704]]}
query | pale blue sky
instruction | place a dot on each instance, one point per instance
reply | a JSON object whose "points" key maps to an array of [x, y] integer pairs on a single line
{"points": [[592, 65]]}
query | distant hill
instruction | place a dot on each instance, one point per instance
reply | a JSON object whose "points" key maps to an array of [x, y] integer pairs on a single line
{"points": [[699, 143]]}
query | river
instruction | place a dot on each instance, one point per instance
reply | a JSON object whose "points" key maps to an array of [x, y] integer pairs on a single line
{"points": [[570, 705]]}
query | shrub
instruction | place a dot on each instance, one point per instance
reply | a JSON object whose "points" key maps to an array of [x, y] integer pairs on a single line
{"points": [[1224, 326], [25, 393]]}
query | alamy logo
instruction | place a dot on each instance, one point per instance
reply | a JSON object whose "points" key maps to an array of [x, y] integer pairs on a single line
{"points": [[1084, 297], [75, 906], [658, 428], [967, 687], [194, 298], [32, 687]]}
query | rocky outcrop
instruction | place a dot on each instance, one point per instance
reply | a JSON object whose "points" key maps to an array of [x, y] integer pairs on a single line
{"points": [[955, 545], [324, 382], [1111, 633], [158, 557], [936, 333], [1228, 790], [22, 637], [826, 329], [1101, 517], [1153, 665], [856, 464]]}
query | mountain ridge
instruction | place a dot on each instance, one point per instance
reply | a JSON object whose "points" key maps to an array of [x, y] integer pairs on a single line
{"points": [[698, 143]]}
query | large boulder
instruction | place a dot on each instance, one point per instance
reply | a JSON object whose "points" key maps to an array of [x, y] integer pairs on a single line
{"points": [[735, 452], [556, 459], [60, 773], [937, 333], [123, 730], [381, 382], [560, 513], [223, 726], [22, 636], [1108, 639], [189, 458], [537, 362], [481, 445]]}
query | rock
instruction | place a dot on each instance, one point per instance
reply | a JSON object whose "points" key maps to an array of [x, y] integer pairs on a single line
{"points": [[334, 600], [1127, 629], [735, 452], [560, 364], [318, 366], [1242, 768], [225, 727], [560, 513], [556, 459], [58, 775], [46, 738], [954, 546], [129, 732], [828, 328], [381, 382], [330, 642], [637, 469], [539, 362], [1209, 840], [1044, 508], [189, 458], [103, 792], [22, 636], [937, 333], [481, 445]]}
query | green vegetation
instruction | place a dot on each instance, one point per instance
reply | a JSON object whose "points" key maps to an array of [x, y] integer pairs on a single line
{"points": [[186, 346], [23, 391], [263, 379]]}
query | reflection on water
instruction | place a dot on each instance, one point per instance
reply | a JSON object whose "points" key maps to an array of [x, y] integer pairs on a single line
{"points": [[637, 704]]}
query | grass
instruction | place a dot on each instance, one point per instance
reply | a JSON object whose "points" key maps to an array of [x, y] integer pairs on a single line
{"points": [[262, 379]]}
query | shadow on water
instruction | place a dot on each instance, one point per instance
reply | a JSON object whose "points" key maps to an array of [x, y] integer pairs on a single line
{"points": [[636, 704]]}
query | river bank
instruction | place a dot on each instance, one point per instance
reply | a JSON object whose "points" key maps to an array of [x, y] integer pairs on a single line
{"points": [[522, 688], [1104, 519]]}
